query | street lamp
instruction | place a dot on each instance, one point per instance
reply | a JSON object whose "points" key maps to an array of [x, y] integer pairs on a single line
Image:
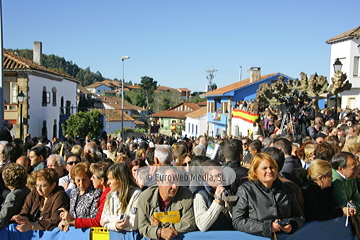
{"points": [[122, 98], [337, 67], [21, 98]]}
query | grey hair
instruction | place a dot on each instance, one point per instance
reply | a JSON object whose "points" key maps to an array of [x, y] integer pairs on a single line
{"points": [[164, 154], [59, 159]]}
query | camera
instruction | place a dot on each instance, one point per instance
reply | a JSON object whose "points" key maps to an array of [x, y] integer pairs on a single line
{"points": [[351, 205], [283, 223], [122, 217], [226, 197]]}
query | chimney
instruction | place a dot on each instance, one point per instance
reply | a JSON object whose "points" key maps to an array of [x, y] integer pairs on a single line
{"points": [[255, 74], [37, 52]]}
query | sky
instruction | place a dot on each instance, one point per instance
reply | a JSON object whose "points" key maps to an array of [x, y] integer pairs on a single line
{"points": [[176, 42]]}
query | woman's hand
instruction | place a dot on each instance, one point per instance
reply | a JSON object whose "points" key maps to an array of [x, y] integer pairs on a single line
{"points": [[64, 226], [19, 219], [65, 215], [24, 227], [275, 227], [287, 228], [120, 224]]}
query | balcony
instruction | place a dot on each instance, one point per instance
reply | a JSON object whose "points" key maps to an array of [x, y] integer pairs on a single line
{"points": [[10, 111]]}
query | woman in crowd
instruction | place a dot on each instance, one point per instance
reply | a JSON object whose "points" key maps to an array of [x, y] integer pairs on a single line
{"points": [[121, 203], [318, 201], [14, 177], [135, 165], [279, 210], [99, 180], [352, 145], [83, 199], [41, 208]]}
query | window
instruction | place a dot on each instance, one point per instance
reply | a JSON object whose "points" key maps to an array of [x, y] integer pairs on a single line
{"points": [[47, 97], [356, 67], [196, 129], [54, 96], [44, 102]]}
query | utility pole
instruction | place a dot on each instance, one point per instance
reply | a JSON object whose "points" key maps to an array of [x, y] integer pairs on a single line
{"points": [[210, 76]]}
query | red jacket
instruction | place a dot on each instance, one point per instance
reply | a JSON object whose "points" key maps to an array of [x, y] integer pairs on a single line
{"points": [[93, 222]]}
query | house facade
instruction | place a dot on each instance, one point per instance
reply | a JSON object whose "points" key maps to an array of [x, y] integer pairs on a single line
{"points": [[221, 102], [172, 120], [47, 93], [346, 48], [195, 123]]}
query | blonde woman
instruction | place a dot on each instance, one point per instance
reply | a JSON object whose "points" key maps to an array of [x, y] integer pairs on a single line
{"points": [[278, 201], [319, 205], [309, 155], [120, 210]]}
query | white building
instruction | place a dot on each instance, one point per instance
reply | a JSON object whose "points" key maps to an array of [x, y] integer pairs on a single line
{"points": [[346, 47], [195, 123], [46, 92]]}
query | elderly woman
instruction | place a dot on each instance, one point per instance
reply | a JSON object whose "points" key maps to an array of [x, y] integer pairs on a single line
{"points": [[83, 199], [14, 177], [121, 203], [266, 205], [319, 205], [99, 180], [41, 208]]}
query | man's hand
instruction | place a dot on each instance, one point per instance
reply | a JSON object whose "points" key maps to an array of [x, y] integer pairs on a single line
{"points": [[154, 222], [168, 233]]}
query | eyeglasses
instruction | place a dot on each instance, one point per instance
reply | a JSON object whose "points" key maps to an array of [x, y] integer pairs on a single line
{"points": [[72, 163], [188, 163]]}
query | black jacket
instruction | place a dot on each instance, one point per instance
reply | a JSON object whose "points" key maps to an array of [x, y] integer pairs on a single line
{"points": [[258, 207], [318, 203], [240, 173]]}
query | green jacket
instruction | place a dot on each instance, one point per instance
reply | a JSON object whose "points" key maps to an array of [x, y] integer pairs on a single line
{"points": [[148, 204], [344, 191]]}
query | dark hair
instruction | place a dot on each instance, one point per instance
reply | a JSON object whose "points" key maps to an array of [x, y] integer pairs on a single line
{"points": [[324, 151], [70, 154], [277, 155], [149, 155], [256, 145], [233, 149], [12, 151], [137, 162], [144, 145], [39, 150], [340, 159], [284, 145]]}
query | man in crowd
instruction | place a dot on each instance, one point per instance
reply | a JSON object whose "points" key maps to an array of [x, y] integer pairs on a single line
{"points": [[233, 153], [5, 134], [55, 161], [167, 196], [37, 157], [306, 114], [344, 166]]}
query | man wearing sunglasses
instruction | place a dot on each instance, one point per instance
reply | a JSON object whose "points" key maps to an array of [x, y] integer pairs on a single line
{"points": [[65, 181]]}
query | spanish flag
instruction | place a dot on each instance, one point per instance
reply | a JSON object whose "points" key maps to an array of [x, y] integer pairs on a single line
{"points": [[246, 116]]}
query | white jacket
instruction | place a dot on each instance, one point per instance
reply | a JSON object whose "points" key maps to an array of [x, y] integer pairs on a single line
{"points": [[111, 212]]}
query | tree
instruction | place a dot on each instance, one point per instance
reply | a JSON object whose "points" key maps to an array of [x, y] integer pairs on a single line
{"points": [[83, 123], [147, 87]]}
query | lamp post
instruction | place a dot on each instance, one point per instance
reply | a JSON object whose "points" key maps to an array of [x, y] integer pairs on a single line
{"points": [[21, 98], [122, 98], [337, 67]]}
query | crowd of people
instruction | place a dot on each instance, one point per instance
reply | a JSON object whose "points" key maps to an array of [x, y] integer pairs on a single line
{"points": [[132, 186]]}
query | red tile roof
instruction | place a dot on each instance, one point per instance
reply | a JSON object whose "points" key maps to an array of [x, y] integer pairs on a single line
{"points": [[115, 102], [198, 113], [15, 62], [170, 114], [164, 88], [83, 90], [184, 90], [191, 105], [203, 103], [114, 115], [234, 86], [355, 32]]}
